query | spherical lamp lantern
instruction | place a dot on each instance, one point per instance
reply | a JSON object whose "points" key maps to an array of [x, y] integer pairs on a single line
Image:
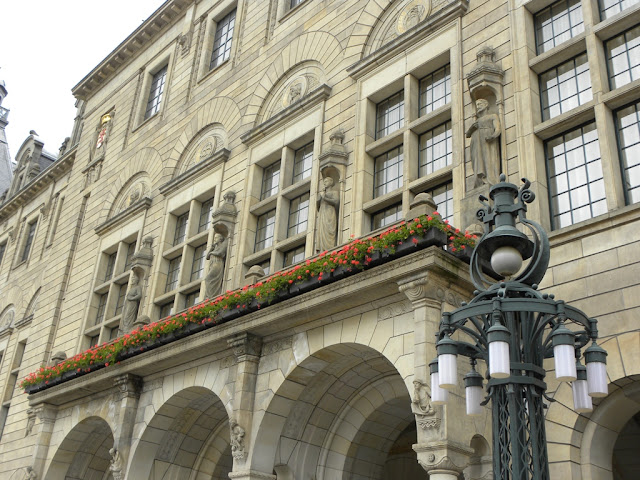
{"points": [[506, 261], [596, 360], [563, 341], [439, 396]]}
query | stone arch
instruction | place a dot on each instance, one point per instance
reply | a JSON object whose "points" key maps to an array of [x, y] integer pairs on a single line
{"points": [[7, 317], [187, 437], [321, 47], [212, 138], [219, 111], [132, 191], [146, 162], [324, 410], [84, 452]]}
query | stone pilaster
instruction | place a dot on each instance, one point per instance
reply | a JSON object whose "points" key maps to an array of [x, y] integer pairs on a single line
{"points": [[41, 419], [128, 392]]}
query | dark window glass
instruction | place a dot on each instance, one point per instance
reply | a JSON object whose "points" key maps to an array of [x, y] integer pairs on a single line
{"points": [[122, 292], [266, 266], [113, 333], [435, 149], [197, 267], [191, 299], [131, 250], [302, 163], [295, 3], [3, 248], [388, 172], [608, 8], [166, 309], [628, 126], [155, 95], [264, 232], [270, 180], [181, 229], [298, 215], [390, 115], [29, 240], [222, 41], [443, 198], [386, 217], [172, 274], [565, 87], [558, 23], [206, 210], [294, 255], [111, 264], [435, 90], [623, 57], [102, 303], [93, 341], [576, 186]]}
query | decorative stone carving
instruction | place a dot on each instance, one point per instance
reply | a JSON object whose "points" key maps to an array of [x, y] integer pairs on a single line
{"points": [[141, 266], [485, 146], [421, 401], [218, 253], [246, 346], [57, 358], [328, 203], [277, 346], [412, 14], [116, 464], [92, 173], [102, 136], [63, 147], [422, 204], [184, 41], [31, 421], [30, 473], [128, 386], [131, 304], [253, 274], [237, 440]]}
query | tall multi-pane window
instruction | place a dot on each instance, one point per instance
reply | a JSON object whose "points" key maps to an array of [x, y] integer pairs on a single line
{"points": [[191, 299], [156, 92], [181, 228], [111, 265], [102, 305], [435, 149], [294, 255], [131, 249], [270, 180], [609, 8], [206, 210], [298, 215], [222, 40], [31, 231], [558, 23], [565, 87], [166, 309], [628, 127], [265, 230], [435, 90], [386, 216], [3, 248], [388, 172], [443, 198], [623, 57], [302, 162], [390, 115], [172, 274], [12, 382], [120, 300], [197, 266], [576, 185]]}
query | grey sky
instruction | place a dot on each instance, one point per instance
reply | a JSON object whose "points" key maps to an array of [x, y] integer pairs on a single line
{"points": [[47, 47]]}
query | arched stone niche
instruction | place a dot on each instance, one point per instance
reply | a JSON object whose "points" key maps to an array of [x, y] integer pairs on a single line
{"points": [[134, 190], [210, 140]]}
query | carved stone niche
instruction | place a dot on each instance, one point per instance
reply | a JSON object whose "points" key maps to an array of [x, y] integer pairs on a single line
{"points": [[100, 137], [141, 268]]}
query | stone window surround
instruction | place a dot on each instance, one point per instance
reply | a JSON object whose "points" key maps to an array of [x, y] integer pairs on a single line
{"points": [[624, 166], [164, 59], [285, 10], [30, 219], [281, 146], [408, 135]]}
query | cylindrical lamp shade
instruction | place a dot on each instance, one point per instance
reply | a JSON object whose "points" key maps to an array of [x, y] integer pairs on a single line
{"points": [[439, 396], [581, 400], [447, 363], [499, 362], [473, 393], [563, 341], [596, 358]]}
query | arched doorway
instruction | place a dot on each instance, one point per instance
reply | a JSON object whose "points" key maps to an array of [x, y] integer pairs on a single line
{"points": [[626, 451]]}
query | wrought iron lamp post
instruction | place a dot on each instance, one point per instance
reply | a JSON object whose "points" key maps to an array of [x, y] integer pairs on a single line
{"points": [[513, 328]]}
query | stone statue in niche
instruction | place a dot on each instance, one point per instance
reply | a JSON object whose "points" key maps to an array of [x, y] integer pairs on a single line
{"points": [[218, 254], [421, 402], [485, 145], [237, 439], [132, 303], [328, 203]]}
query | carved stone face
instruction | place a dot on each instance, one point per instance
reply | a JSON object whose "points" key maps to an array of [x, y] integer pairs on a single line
{"points": [[217, 238], [481, 106], [327, 182]]}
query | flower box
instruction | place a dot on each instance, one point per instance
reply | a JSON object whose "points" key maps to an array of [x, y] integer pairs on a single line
{"points": [[303, 286]]}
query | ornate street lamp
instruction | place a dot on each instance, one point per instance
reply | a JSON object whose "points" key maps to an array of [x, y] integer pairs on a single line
{"points": [[513, 328]]}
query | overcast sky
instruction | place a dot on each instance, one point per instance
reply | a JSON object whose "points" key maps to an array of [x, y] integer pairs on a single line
{"points": [[46, 48]]}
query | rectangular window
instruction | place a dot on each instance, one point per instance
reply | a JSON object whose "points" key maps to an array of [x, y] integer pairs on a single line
{"points": [[435, 90], [609, 8], [191, 299], [222, 41], [166, 309], [302, 163], [558, 23], [28, 241], [293, 256], [386, 217], [197, 267], [111, 264], [435, 149], [131, 249], [295, 3], [93, 341], [172, 274], [156, 92], [390, 115], [576, 186], [265, 266], [628, 126], [206, 210], [298, 215], [623, 57], [113, 333], [388, 172], [181, 229], [565, 87], [443, 198], [102, 304], [265, 230], [122, 292], [270, 180], [3, 248]]}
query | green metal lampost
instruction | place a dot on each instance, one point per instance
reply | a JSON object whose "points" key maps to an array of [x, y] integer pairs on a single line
{"points": [[513, 327]]}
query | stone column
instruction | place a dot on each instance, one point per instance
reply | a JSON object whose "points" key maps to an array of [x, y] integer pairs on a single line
{"points": [[41, 419], [128, 393], [247, 349]]}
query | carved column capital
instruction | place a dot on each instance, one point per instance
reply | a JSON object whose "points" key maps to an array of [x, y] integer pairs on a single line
{"points": [[443, 457], [246, 347], [129, 386]]}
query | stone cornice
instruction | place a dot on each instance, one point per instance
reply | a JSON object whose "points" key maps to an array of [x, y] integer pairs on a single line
{"points": [[55, 172], [213, 161], [314, 97], [456, 8], [135, 43]]}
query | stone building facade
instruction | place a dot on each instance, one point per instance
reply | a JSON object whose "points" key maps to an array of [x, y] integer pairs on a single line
{"points": [[220, 127]]}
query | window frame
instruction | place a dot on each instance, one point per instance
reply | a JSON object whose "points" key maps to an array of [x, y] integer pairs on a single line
{"points": [[573, 30], [156, 92], [623, 166], [609, 63], [226, 51]]}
